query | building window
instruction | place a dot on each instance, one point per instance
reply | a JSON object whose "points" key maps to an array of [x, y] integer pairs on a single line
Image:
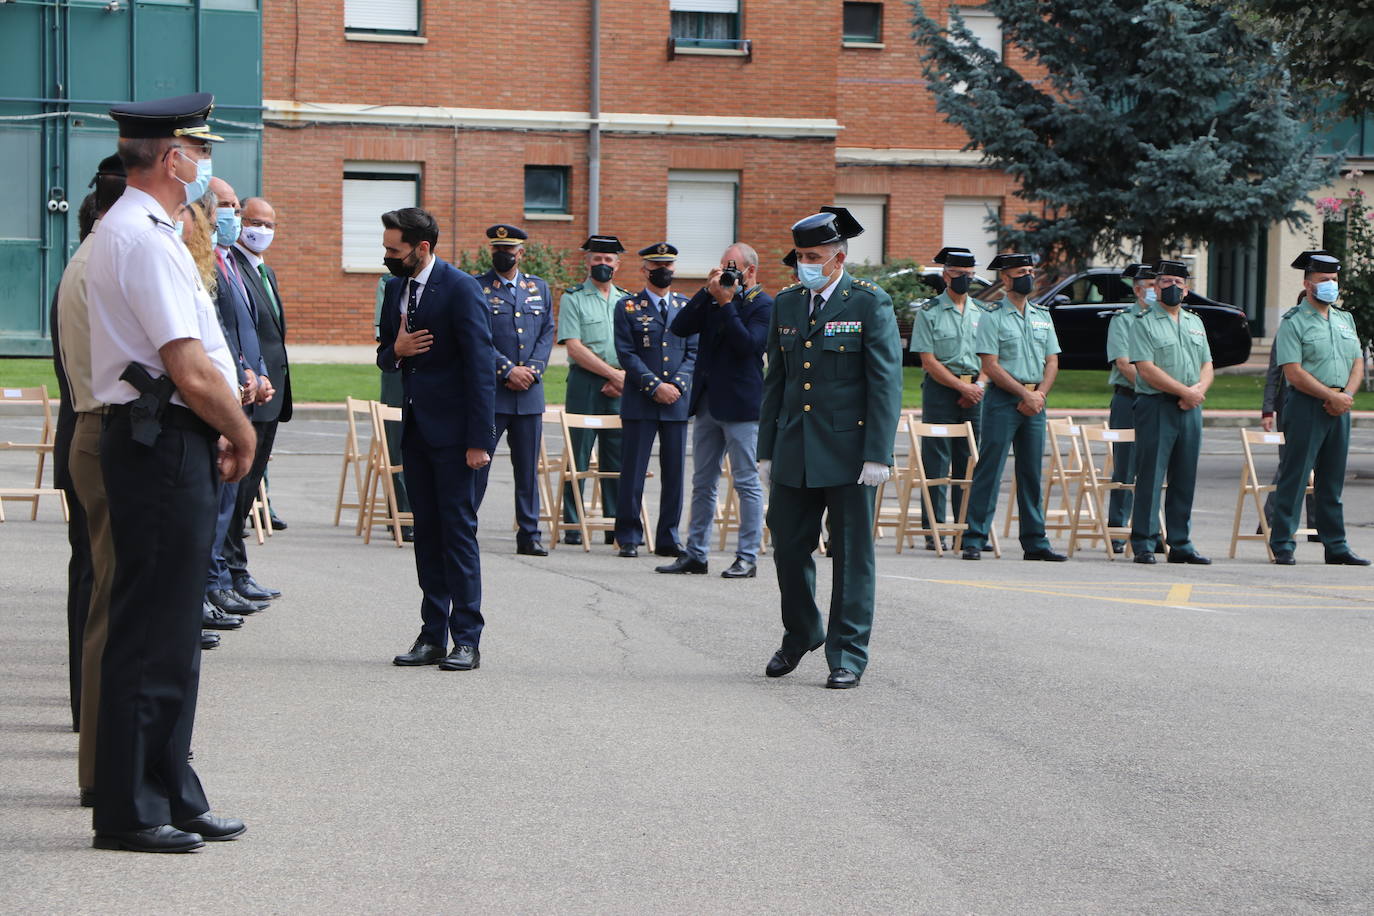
{"points": [[546, 189], [369, 190], [702, 217], [863, 23], [384, 17], [985, 26], [705, 23], [966, 226], [871, 212]]}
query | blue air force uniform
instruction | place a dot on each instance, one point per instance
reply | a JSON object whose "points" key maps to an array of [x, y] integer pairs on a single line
{"points": [[652, 356], [521, 313]]}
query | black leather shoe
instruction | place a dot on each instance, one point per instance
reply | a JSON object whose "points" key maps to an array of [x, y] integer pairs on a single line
{"points": [[930, 543], [212, 618], [231, 602], [781, 663], [1118, 546], [214, 829], [1045, 554], [607, 537], [277, 524], [462, 658], [683, 565], [740, 569], [1191, 557], [572, 537], [1284, 558], [150, 839], [422, 653], [1146, 558], [253, 590], [1345, 559], [532, 549], [842, 679], [629, 550], [671, 550], [407, 534], [971, 553], [88, 798], [209, 640]]}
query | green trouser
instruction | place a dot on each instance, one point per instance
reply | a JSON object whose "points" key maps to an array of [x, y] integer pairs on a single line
{"points": [[1122, 416], [1004, 427], [1168, 441], [794, 518], [941, 405], [1314, 441], [584, 396], [393, 395]]}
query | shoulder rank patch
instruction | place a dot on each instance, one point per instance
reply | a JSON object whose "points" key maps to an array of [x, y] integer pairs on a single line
{"points": [[576, 288], [790, 288]]}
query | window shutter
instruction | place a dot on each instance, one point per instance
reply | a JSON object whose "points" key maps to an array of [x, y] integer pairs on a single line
{"points": [[701, 218], [382, 15], [704, 6], [364, 202], [986, 28], [871, 212], [964, 226]]}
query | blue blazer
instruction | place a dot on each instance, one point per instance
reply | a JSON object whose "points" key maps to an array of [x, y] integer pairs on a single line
{"points": [[729, 374], [450, 391], [240, 331], [522, 332], [653, 355]]}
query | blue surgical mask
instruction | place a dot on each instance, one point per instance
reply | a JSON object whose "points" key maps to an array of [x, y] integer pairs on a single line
{"points": [[1327, 291], [196, 188], [812, 276], [1151, 296], [228, 224]]}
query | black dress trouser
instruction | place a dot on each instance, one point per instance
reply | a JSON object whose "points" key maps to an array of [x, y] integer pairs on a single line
{"points": [[162, 503]]}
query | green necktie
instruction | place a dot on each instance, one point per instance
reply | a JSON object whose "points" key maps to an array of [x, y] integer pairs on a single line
{"points": [[267, 285]]}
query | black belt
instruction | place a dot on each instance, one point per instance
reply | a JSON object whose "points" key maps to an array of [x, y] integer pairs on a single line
{"points": [[175, 416], [1125, 389]]}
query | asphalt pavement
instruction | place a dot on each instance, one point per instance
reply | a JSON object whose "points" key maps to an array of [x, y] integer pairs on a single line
{"points": [[1087, 737]]}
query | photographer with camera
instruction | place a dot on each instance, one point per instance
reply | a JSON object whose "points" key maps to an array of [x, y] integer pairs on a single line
{"points": [[730, 315]]}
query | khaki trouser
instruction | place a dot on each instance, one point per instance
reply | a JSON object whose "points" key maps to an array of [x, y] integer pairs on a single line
{"points": [[84, 465]]}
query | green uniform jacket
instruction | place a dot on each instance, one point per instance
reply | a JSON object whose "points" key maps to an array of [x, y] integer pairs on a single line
{"points": [[1179, 349], [833, 391], [942, 330], [1326, 347], [583, 314], [1119, 343], [1021, 341]]}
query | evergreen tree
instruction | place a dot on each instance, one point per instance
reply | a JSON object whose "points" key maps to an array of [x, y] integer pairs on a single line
{"points": [[1157, 121]]}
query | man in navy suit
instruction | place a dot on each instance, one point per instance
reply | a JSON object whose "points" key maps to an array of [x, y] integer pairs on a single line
{"points": [[658, 380], [521, 312], [730, 315], [434, 331]]}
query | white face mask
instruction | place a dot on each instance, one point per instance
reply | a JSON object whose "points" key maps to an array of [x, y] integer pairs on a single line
{"points": [[257, 238]]}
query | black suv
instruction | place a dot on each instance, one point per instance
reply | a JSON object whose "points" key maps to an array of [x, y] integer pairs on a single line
{"points": [[1083, 304]]}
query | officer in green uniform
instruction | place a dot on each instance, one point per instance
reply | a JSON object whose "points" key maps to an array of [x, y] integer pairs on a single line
{"points": [[1319, 350], [1173, 364], [951, 392], [831, 399], [595, 379], [1122, 379], [1019, 349]]}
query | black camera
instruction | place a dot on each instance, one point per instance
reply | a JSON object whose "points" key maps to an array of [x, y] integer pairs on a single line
{"points": [[731, 275]]}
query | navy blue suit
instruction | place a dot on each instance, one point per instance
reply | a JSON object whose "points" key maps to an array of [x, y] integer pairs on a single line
{"points": [[730, 344], [449, 407], [522, 333], [652, 355]]}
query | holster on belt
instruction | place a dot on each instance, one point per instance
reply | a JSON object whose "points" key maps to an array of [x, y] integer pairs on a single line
{"points": [[145, 411]]}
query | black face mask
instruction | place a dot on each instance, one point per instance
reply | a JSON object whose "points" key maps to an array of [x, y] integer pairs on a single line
{"points": [[1023, 285], [959, 285], [403, 267], [602, 273], [502, 260], [661, 277], [1171, 295]]}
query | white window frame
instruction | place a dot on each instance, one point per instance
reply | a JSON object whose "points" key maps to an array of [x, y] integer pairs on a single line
{"points": [[361, 233], [875, 230], [700, 243], [984, 24], [383, 17], [984, 245]]}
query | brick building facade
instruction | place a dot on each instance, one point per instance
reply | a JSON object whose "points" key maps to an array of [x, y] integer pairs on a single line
{"points": [[704, 135]]}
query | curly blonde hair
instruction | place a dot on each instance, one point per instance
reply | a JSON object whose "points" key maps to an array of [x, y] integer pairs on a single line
{"points": [[199, 238]]}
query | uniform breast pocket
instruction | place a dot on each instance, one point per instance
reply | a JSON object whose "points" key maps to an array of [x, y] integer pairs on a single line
{"points": [[1010, 345], [1165, 355], [946, 348], [1349, 344], [787, 343], [499, 307], [1314, 345], [596, 331], [844, 356]]}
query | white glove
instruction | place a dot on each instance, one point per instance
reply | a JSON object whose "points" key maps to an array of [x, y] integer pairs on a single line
{"points": [[765, 471], [874, 474]]}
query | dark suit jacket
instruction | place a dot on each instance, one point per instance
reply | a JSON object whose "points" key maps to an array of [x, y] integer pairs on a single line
{"points": [[450, 391], [652, 355], [728, 378], [271, 329], [522, 332], [236, 317]]}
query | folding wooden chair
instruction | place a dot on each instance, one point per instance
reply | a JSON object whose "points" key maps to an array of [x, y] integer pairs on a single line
{"points": [[258, 515], [1095, 489], [1251, 486], [897, 486], [35, 397], [382, 475], [922, 482], [544, 471], [727, 505], [353, 458], [590, 515]]}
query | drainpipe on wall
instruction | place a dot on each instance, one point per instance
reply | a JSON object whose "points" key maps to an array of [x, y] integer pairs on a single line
{"points": [[594, 129]]}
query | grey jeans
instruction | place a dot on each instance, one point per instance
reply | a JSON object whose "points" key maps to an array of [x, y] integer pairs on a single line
{"points": [[711, 439]]}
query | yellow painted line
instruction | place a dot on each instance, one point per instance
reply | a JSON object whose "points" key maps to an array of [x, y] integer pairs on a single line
{"points": [[1179, 594]]}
